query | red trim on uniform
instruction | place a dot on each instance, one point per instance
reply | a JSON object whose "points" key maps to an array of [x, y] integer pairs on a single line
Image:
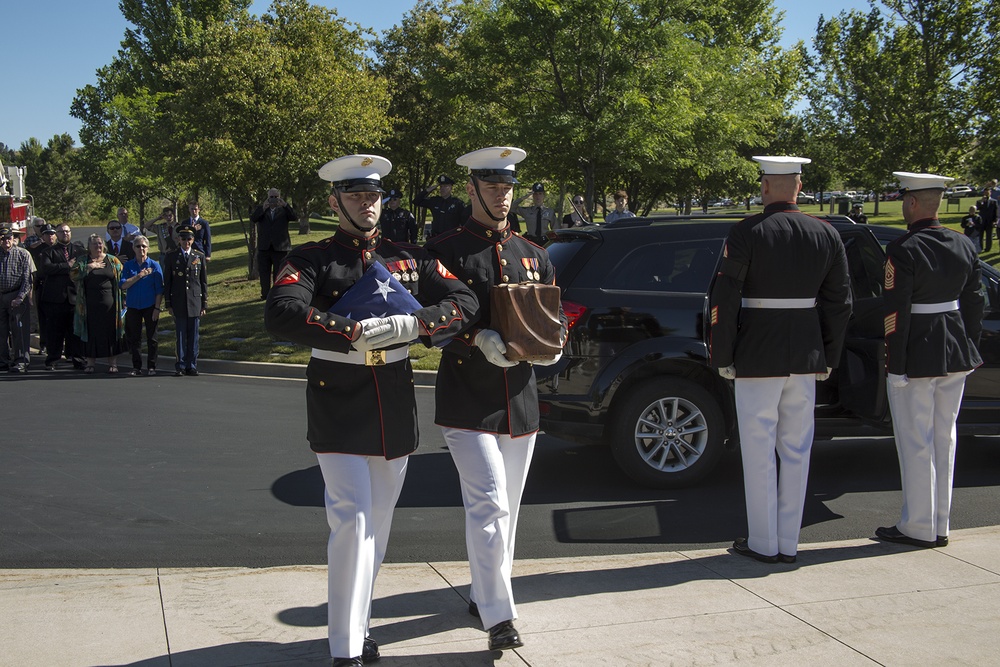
{"points": [[381, 420], [444, 272], [322, 323], [289, 275]]}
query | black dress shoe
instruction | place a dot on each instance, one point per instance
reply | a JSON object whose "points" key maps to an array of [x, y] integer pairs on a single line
{"points": [[473, 609], [503, 636], [177, 374], [741, 547], [785, 558], [191, 371], [369, 653], [942, 541], [893, 534], [348, 662]]}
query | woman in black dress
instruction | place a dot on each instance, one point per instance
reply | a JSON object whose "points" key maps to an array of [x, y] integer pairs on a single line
{"points": [[98, 320]]}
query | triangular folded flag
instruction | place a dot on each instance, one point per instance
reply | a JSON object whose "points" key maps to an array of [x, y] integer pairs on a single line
{"points": [[376, 294]]}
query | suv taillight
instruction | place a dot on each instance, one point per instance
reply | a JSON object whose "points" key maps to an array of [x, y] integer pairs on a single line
{"points": [[573, 311]]}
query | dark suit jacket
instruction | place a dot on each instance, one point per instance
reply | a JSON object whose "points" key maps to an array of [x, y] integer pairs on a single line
{"points": [[125, 250], [272, 233], [54, 269], [202, 237], [185, 283], [988, 212]]}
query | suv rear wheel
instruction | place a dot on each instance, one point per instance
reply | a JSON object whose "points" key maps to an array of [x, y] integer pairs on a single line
{"points": [[668, 433]]}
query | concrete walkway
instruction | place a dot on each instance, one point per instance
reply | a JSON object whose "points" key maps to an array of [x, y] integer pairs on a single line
{"points": [[857, 602]]}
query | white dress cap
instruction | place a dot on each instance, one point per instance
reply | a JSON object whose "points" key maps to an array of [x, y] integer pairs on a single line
{"points": [[493, 164], [775, 165], [356, 172], [910, 181]]}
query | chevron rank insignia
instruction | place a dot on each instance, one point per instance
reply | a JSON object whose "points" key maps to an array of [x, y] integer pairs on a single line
{"points": [[890, 324], [890, 274], [289, 275]]}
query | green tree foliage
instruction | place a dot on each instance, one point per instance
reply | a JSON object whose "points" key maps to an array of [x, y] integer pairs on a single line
{"points": [[53, 179], [656, 95], [895, 87], [415, 58]]}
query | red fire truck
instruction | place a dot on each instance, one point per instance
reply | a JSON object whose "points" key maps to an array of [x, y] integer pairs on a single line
{"points": [[15, 206]]}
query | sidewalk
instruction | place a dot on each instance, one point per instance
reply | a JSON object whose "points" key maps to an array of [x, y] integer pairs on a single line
{"points": [[856, 602]]}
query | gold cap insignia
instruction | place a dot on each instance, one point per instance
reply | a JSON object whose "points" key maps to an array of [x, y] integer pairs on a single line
{"points": [[367, 161], [506, 153]]}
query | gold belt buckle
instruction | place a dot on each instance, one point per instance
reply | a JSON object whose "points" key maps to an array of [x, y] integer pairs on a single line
{"points": [[375, 358]]}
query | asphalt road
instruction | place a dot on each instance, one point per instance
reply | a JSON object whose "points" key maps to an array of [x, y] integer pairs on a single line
{"points": [[111, 471]]}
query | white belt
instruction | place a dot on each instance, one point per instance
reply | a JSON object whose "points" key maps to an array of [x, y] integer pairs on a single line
{"points": [[932, 308], [369, 358], [779, 303]]}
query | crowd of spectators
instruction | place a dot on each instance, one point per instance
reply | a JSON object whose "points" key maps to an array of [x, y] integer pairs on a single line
{"points": [[94, 301]]}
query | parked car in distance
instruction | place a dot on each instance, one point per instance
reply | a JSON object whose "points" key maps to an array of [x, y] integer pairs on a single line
{"points": [[634, 375], [805, 198], [960, 191]]}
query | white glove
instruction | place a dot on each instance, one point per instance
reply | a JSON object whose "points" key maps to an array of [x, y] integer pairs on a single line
{"points": [[492, 347], [821, 377], [369, 327], [898, 381], [729, 372], [388, 331], [548, 362]]}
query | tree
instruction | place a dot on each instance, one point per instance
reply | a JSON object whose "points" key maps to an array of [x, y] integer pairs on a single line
{"points": [[654, 95], [895, 89], [414, 59], [53, 178], [291, 91]]}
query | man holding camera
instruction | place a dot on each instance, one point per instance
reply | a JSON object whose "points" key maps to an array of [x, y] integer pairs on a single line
{"points": [[272, 217]]}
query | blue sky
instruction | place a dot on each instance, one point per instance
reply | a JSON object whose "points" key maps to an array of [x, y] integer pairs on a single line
{"points": [[62, 43]]}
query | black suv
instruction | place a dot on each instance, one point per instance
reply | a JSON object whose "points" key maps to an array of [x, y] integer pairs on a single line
{"points": [[634, 373]]}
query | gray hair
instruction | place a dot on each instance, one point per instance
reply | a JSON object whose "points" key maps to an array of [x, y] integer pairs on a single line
{"points": [[139, 237]]}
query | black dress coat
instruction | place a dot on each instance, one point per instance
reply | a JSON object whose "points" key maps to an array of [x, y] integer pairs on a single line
{"points": [[357, 409], [272, 233], [471, 392], [780, 253], [932, 264]]}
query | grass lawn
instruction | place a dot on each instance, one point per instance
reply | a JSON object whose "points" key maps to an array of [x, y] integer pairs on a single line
{"points": [[233, 327]]}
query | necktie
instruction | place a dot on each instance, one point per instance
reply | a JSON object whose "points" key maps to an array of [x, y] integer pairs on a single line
{"points": [[115, 248], [538, 223], [66, 252]]}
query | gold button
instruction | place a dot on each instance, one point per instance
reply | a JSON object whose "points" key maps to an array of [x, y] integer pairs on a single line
{"points": [[466, 335], [322, 383], [503, 262], [356, 242], [454, 312], [469, 281], [368, 255], [336, 292], [459, 362], [347, 329], [488, 233], [500, 247], [505, 279], [442, 318], [430, 325], [316, 318]]}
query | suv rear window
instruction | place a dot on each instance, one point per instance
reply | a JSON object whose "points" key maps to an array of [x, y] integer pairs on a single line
{"points": [[681, 266]]}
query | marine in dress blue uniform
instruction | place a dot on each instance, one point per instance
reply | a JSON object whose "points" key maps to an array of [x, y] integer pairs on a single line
{"points": [[359, 397], [487, 406], [779, 312], [933, 319]]}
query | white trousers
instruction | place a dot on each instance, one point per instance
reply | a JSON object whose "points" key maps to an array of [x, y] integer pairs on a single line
{"points": [[924, 413], [361, 494], [492, 469], [775, 415]]}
